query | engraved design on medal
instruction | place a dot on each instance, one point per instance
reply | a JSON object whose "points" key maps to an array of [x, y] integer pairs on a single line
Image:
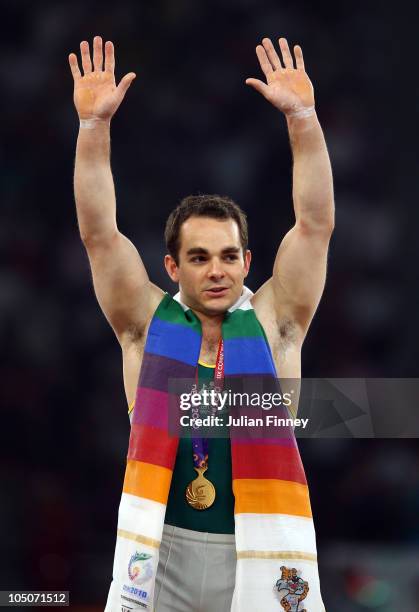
{"points": [[200, 493]]}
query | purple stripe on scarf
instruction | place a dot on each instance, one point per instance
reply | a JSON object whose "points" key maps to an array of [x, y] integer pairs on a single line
{"points": [[156, 370], [152, 408]]}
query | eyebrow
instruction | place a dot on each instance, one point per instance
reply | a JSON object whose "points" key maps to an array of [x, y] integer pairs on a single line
{"points": [[202, 251]]}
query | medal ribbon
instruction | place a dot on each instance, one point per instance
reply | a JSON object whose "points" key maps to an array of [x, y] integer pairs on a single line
{"points": [[200, 445]]}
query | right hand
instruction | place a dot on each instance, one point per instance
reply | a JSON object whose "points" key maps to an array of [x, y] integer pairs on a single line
{"points": [[96, 95]]}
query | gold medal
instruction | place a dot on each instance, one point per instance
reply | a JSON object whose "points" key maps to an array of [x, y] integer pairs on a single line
{"points": [[200, 493]]}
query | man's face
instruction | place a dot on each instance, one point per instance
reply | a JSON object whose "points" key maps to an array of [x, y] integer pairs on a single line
{"points": [[211, 266]]}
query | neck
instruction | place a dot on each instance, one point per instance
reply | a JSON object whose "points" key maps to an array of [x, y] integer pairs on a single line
{"points": [[211, 328], [210, 323]]}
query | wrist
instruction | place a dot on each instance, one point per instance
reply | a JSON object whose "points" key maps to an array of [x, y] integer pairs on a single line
{"points": [[302, 122], [301, 113], [93, 123]]}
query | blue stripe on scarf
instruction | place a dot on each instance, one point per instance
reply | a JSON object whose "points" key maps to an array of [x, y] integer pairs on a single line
{"points": [[247, 356], [173, 341]]}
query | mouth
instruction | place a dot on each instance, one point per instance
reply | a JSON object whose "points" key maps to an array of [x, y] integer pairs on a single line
{"points": [[216, 291]]}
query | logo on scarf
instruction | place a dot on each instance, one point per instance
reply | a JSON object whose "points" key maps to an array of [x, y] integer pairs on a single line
{"points": [[297, 589], [139, 571]]}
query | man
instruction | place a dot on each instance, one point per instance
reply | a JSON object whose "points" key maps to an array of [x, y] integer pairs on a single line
{"points": [[208, 256]]}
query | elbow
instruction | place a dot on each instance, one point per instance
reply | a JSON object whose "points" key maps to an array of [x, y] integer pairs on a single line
{"points": [[323, 225], [94, 239], [330, 225]]}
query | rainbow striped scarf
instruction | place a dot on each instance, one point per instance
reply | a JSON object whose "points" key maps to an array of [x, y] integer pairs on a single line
{"points": [[274, 532]]}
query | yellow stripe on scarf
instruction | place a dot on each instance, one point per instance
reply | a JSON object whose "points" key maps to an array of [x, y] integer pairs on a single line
{"points": [[276, 554]]}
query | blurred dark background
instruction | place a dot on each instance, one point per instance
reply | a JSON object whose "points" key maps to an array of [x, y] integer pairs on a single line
{"points": [[189, 124]]}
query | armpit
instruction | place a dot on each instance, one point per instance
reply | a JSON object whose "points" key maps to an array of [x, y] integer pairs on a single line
{"points": [[287, 331]]}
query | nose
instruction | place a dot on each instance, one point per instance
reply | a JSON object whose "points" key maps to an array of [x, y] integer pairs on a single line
{"points": [[215, 271]]}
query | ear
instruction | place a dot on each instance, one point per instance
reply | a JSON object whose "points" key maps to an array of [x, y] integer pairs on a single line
{"points": [[247, 260], [171, 268]]}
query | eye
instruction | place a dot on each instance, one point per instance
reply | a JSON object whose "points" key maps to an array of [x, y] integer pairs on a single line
{"points": [[231, 257], [198, 258]]}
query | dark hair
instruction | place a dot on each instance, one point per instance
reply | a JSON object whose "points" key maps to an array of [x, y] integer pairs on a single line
{"points": [[203, 205]]}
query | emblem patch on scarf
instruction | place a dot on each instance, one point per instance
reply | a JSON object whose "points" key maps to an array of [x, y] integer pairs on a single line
{"points": [[140, 571], [296, 589]]}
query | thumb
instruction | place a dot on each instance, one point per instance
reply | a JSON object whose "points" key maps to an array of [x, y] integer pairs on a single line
{"points": [[260, 86], [124, 84]]}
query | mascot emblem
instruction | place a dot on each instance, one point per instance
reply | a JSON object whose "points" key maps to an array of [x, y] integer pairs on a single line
{"points": [[292, 589]]}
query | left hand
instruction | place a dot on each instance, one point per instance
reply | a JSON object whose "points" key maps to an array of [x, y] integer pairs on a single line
{"points": [[96, 95], [289, 89]]}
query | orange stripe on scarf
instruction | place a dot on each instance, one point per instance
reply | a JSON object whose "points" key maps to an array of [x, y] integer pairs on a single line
{"points": [[266, 496], [147, 480]]}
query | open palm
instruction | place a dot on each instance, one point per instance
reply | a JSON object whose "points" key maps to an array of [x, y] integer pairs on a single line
{"points": [[96, 95], [289, 89]]}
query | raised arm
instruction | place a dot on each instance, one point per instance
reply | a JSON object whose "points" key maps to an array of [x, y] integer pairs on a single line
{"points": [[121, 283], [299, 272]]}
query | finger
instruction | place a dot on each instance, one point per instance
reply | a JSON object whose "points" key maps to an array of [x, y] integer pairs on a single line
{"points": [[265, 64], [299, 57], [260, 86], [85, 57], [75, 70], [109, 57], [286, 54], [125, 82], [272, 54], [97, 53]]}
